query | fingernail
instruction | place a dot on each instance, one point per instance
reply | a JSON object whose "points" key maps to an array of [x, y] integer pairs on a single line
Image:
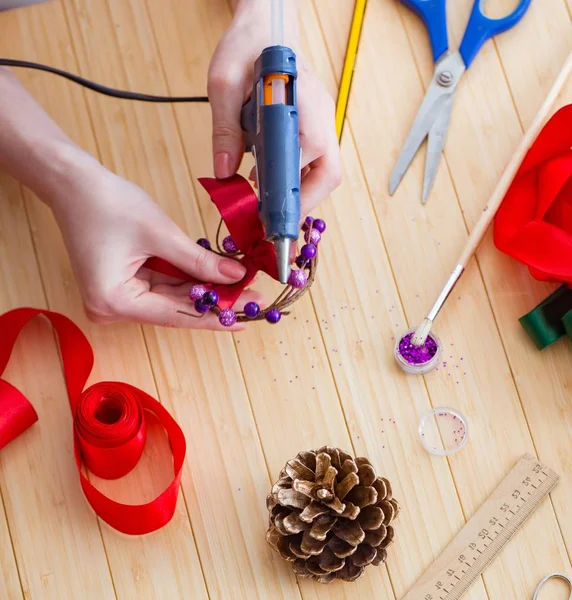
{"points": [[222, 166], [231, 268]]}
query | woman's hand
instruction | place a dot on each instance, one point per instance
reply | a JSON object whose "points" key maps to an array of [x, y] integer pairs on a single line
{"points": [[110, 228], [230, 85]]}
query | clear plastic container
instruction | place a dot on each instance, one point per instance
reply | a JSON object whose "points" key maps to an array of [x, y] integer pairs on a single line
{"points": [[422, 368], [443, 431]]}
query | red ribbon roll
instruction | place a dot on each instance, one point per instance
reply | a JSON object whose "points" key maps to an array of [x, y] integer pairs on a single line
{"points": [[109, 424], [534, 221], [238, 206]]}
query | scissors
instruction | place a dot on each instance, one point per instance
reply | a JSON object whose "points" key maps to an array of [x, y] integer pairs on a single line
{"points": [[553, 575], [432, 120]]}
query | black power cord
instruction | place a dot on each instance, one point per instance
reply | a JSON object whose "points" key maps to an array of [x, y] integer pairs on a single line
{"points": [[96, 87]]}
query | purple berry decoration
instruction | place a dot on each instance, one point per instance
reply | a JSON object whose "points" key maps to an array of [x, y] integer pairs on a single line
{"points": [[197, 292], [251, 310], [301, 262], [228, 245], [297, 279], [307, 223], [320, 225], [204, 243], [201, 307], [210, 298], [308, 251], [273, 315], [313, 236], [227, 317]]}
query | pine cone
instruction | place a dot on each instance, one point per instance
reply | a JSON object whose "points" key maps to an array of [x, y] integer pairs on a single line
{"points": [[330, 515]]}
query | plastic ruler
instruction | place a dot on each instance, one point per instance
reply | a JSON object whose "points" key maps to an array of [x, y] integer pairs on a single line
{"points": [[483, 537]]}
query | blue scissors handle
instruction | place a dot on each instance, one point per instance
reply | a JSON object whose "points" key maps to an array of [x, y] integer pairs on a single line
{"points": [[433, 15], [481, 28]]}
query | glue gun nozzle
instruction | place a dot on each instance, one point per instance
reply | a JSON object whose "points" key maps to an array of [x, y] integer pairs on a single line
{"points": [[282, 246]]}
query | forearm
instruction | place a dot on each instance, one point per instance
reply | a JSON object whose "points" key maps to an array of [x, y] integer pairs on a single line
{"points": [[33, 149]]}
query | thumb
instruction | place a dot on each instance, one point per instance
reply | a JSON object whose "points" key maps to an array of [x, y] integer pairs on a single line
{"points": [[196, 261], [226, 95]]}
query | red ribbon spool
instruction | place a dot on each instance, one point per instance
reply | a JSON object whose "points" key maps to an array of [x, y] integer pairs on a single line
{"points": [[109, 424]]}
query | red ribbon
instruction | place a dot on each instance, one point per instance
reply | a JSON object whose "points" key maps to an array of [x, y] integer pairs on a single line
{"points": [[238, 207], [534, 221], [109, 420]]}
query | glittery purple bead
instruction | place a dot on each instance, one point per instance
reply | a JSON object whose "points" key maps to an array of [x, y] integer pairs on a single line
{"points": [[308, 251], [273, 315], [227, 317], [229, 246], [251, 310], [197, 292], [204, 243], [201, 307], [307, 223], [297, 279], [211, 298], [417, 355], [320, 225], [313, 236]]}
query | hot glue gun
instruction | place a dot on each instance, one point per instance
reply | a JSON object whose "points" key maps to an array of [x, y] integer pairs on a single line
{"points": [[270, 123]]}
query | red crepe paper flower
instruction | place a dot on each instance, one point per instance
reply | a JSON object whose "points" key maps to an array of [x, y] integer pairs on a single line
{"points": [[534, 221]]}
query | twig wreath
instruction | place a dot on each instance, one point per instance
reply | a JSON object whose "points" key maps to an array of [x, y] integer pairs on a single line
{"points": [[207, 299]]}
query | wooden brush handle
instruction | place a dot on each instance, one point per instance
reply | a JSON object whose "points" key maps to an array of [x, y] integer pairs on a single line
{"points": [[507, 177]]}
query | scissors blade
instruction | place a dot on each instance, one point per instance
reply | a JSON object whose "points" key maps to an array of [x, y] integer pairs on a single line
{"points": [[438, 98], [422, 124], [435, 144]]}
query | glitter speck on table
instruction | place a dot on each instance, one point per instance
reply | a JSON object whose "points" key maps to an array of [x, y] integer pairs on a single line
{"points": [[417, 355]]}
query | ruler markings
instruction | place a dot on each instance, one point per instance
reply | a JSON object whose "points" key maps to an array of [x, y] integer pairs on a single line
{"points": [[508, 498]]}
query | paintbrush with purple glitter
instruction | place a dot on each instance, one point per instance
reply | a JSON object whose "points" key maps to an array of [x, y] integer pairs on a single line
{"points": [[416, 350]]}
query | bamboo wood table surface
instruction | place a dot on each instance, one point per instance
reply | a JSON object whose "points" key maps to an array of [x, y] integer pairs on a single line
{"points": [[248, 403]]}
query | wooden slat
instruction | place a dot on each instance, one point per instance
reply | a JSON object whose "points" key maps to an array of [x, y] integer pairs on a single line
{"points": [[547, 26], [14, 240], [544, 379], [385, 99], [9, 583], [40, 486], [165, 563], [50, 524]]}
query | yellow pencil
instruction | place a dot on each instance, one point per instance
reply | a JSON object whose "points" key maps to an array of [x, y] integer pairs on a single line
{"points": [[349, 65]]}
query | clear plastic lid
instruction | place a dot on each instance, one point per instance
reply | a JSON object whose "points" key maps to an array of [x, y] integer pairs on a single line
{"points": [[443, 431]]}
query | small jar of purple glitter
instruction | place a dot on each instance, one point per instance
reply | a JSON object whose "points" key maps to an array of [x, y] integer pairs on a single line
{"points": [[418, 360]]}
